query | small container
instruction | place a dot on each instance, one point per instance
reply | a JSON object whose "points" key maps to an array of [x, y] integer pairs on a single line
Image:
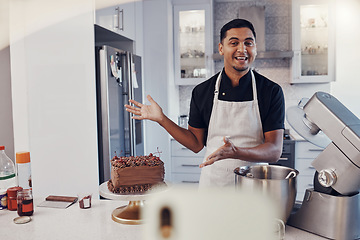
{"points": [[84, 200], [23, 166], [3, 199], [12, 198], [25, 205]]}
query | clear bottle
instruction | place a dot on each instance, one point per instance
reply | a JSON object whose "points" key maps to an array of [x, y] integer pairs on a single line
{"points": [[7, 171], [23, 166]]}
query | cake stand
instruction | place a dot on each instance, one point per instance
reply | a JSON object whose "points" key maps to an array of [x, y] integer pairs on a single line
{"points": [[128, 214]]}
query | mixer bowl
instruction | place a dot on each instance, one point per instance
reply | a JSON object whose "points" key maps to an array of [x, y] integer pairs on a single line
{"points": [[277, 182]]}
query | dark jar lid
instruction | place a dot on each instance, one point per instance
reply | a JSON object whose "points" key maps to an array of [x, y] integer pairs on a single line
{"points": [[11, 192]]}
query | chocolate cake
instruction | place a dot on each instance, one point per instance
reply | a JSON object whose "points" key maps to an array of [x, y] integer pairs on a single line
{"points": [[138, 174]]}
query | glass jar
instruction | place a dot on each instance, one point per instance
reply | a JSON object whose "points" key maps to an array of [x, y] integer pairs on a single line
{"points": [[25, 205], [12, 198]]}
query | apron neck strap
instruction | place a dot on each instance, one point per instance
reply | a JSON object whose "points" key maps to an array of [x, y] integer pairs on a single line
{"points": [[253, 85], [217, 84]]}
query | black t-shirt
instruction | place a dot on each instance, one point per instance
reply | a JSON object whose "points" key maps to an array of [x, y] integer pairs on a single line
{"points": [[270, 99]]}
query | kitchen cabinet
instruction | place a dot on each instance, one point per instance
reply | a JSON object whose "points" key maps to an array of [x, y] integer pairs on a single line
{"points": [[313, 41], [192, 43], [287, 158], [119, 18], [305, 153], [185, 164]]}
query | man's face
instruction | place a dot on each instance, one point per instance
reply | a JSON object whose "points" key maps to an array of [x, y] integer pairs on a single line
{"points": [[238, 49]]}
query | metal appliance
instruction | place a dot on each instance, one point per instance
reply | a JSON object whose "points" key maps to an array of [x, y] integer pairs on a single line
{"points": [[118, 79], [332, 208]]}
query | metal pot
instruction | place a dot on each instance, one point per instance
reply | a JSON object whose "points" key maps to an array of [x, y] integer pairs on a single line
{"points": [[279, 183]]}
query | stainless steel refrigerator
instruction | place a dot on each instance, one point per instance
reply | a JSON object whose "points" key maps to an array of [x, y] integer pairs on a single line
{"points": [[118, 79]]}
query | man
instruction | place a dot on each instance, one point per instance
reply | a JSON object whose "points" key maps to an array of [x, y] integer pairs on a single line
{"points": [[238, 113]]}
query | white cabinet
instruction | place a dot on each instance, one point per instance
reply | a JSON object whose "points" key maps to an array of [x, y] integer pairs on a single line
{"points": [[305, 153], [119, 18], [192, 43], [313, 41], [185, 164]]}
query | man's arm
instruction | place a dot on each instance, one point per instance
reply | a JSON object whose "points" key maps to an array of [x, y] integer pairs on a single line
{"points": [[269, 151], [191, 138]]}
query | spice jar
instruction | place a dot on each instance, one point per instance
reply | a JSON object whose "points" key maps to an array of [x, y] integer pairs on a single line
{"points": [[25, 205], [12, 197], [3, 199]]}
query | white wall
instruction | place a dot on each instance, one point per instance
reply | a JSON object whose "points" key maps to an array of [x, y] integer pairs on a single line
{"points": [[6, 125], [347, 85], [157, 64], [53, 91]]}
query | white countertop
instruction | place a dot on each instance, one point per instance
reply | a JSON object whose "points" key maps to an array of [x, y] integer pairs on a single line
{"points": [[92, 223], [70, 223]]}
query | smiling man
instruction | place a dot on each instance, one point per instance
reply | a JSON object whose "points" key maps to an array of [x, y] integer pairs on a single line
{"points": [[237, 114]]}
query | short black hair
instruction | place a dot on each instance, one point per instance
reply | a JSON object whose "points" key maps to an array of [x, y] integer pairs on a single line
{"points": [[236, 23]]}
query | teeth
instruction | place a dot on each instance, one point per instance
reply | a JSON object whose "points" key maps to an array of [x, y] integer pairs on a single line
{"points": [[241, 58]]}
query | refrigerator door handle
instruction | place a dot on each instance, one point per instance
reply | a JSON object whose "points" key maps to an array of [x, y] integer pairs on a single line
{"points": [[131, 96], [104, 108]]}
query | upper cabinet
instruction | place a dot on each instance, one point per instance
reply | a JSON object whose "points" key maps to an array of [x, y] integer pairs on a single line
{"points": [[119, 17], [313, 41], [192, 43]]}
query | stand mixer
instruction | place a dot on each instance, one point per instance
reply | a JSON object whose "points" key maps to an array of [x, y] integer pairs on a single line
{"points": [[332, 208]]}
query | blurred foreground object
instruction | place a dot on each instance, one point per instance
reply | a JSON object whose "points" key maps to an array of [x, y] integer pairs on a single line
{"points": [[189, 213]]}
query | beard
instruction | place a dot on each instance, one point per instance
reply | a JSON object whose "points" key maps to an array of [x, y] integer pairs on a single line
{"points": [[241, 69]]}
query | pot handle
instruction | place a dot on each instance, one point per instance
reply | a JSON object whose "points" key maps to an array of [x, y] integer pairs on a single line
{"points": [[291, 174], [243, 171]]}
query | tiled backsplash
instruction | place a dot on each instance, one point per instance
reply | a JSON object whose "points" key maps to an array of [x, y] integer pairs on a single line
{"points": [[277, 38]]}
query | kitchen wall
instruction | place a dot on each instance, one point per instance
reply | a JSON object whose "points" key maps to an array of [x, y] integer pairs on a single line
{"points": [[157, 61], [53, 93], [277, 38], [347, 85], [6, 128]]}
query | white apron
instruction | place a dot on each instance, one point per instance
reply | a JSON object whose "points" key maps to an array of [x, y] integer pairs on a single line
{"points": [[241, 122]]}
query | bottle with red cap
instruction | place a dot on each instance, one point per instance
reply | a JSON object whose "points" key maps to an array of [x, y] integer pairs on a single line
{"points": [[23, 166], [7, 171]]}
